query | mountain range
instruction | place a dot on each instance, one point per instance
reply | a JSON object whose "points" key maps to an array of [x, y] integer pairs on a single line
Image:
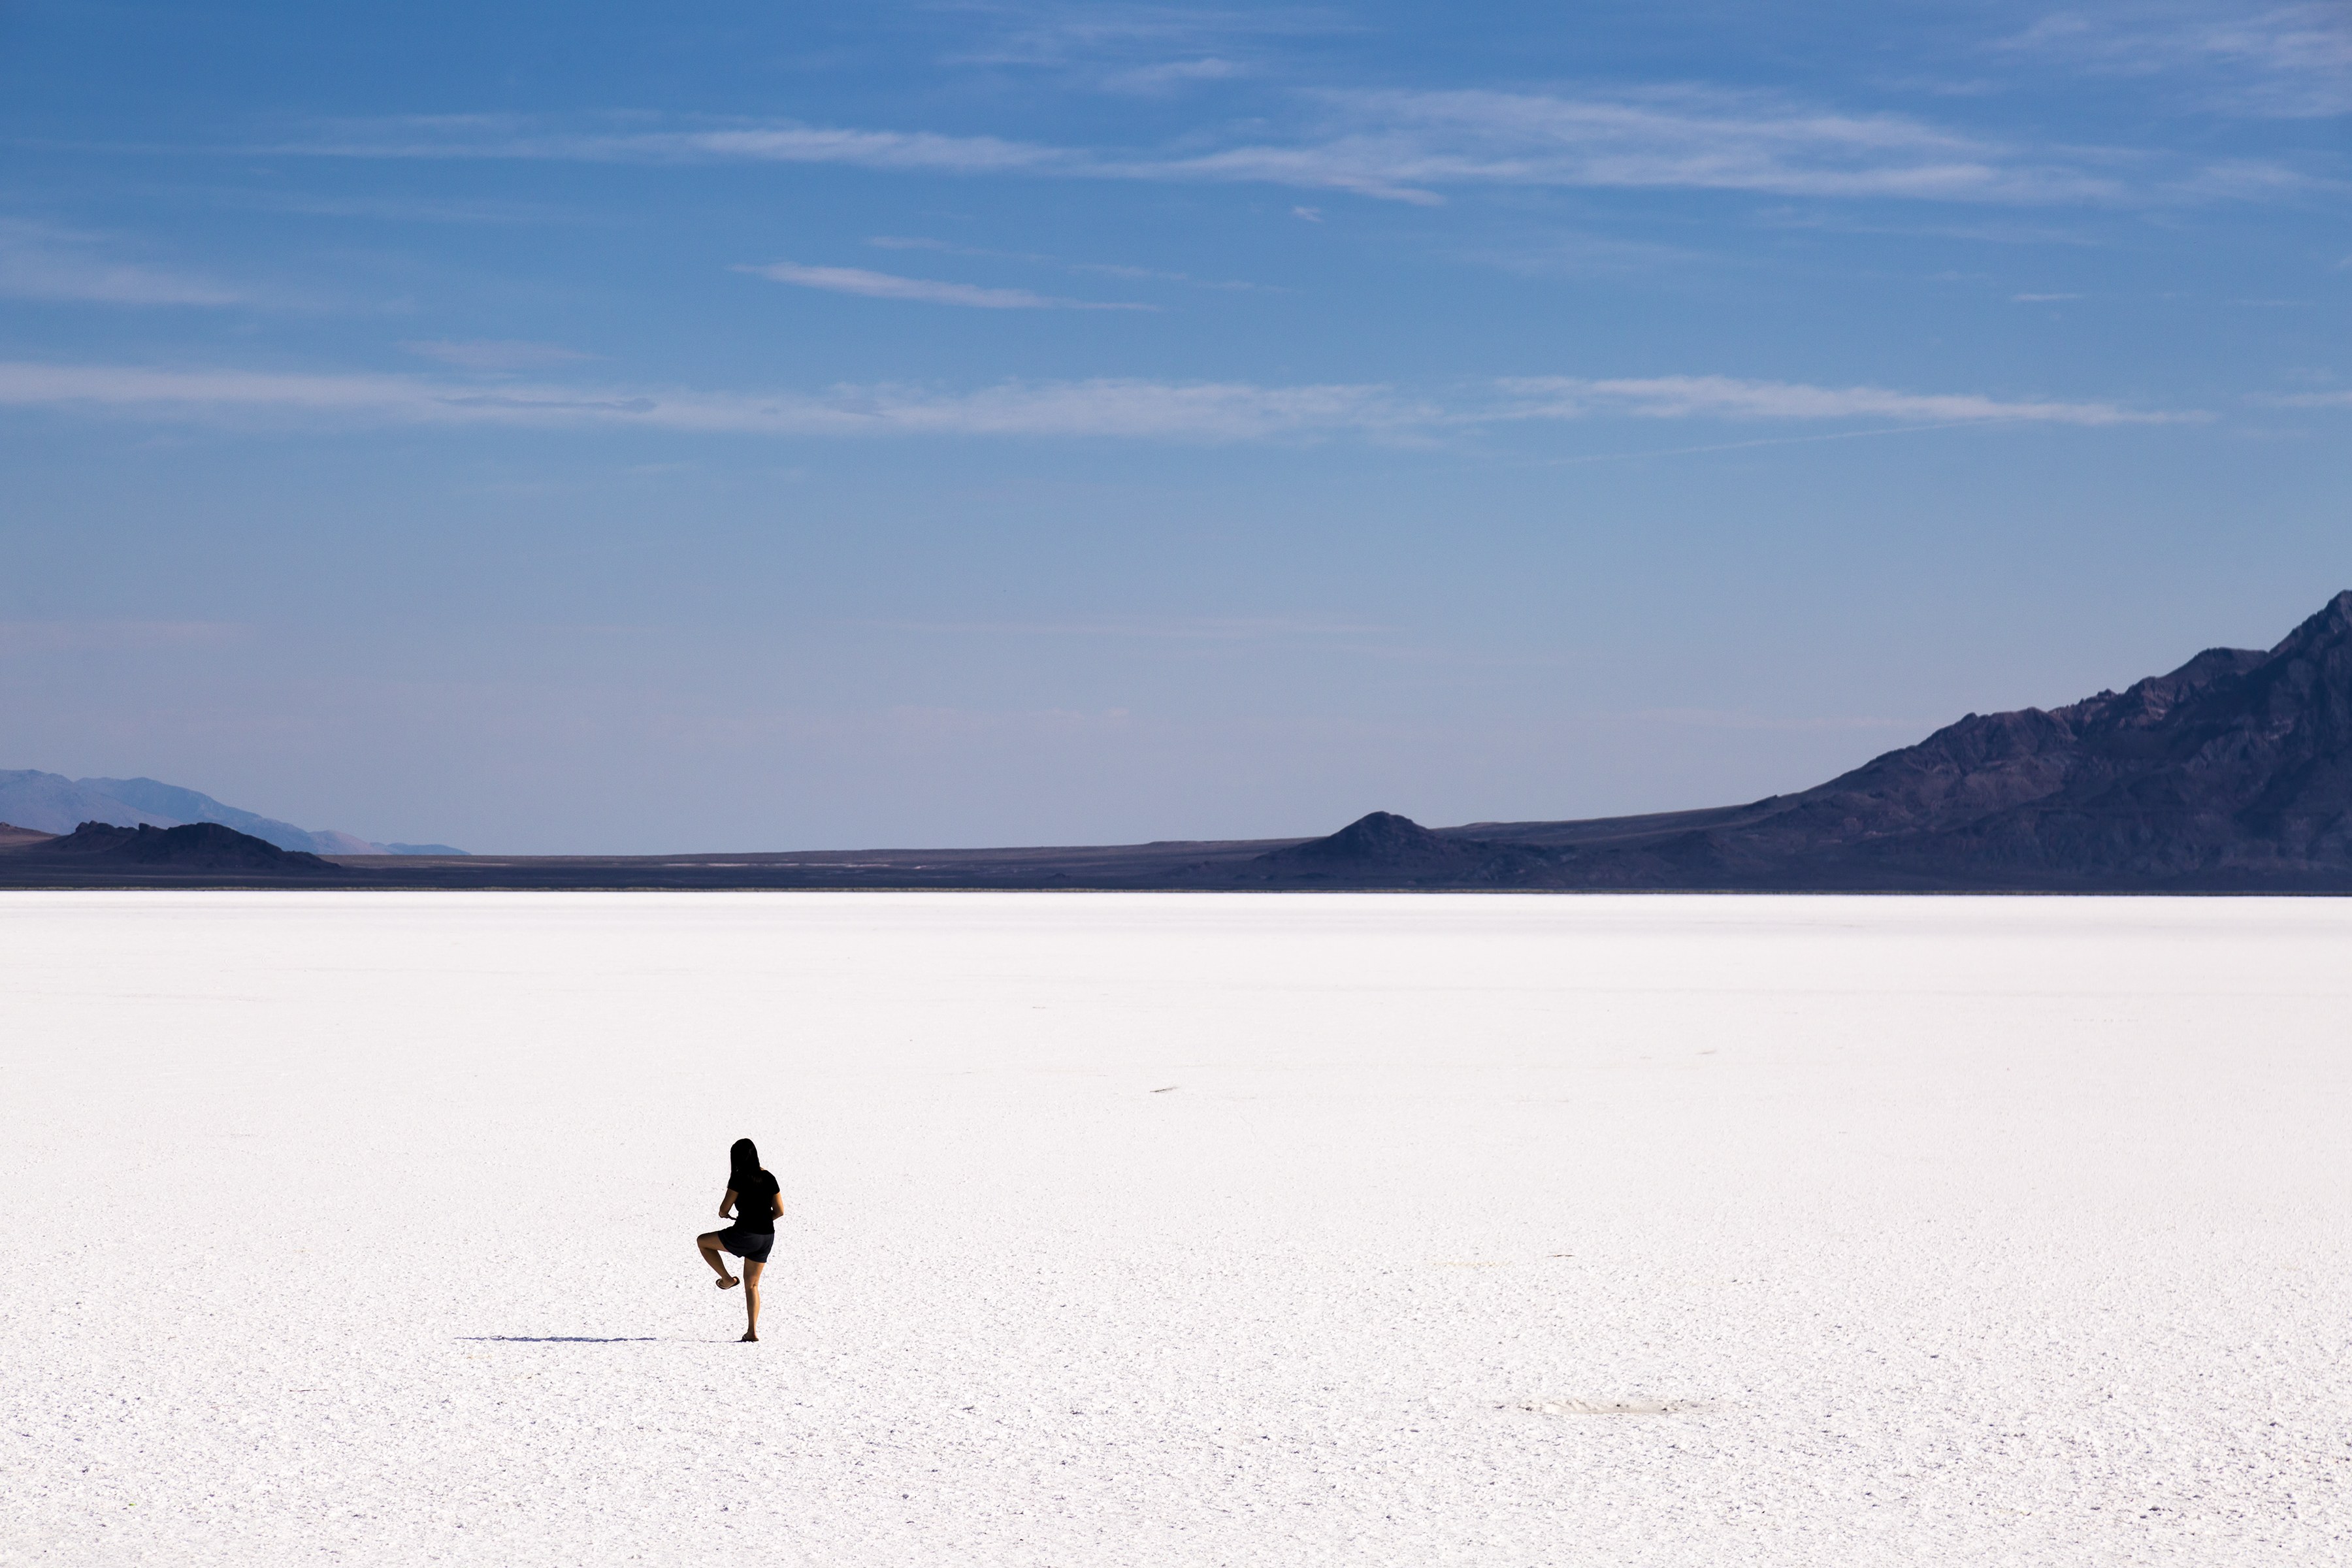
{"points": [[2231, 774], [2234, 771], [51, 803]]}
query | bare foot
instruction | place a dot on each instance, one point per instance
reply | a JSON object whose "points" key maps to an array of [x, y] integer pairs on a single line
{"points": [[748, 1340], [728, 1281]]}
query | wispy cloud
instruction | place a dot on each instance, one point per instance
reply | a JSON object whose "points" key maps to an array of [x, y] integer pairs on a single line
{"points": [[2251, 179], [890, 286], [1200, 411], [1722, 397], [1406, 146], [1135, 48], [515, 137], [1988, 231], [39, 261], [1095, 268], [2289, 62], [1169, 75], [1106, 408]]}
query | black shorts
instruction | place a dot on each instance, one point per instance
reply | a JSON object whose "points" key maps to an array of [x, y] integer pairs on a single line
{"points": [[751, 1245]]}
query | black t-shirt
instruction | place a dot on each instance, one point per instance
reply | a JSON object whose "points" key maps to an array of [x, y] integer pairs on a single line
{"points": [[753, 1209]]}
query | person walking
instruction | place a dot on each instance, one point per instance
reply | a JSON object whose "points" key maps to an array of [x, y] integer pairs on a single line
{"points": [[757, 1204]]}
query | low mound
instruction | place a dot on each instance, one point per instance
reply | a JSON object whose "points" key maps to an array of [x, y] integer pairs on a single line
{"points": [[1381, 837], [194, 847], [1383, 850]]}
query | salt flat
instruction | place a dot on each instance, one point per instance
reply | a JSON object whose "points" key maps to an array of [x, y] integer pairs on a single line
{"points": [[1192, 1230]]}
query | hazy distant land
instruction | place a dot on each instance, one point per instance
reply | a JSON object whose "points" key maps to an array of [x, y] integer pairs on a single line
{"points": [[54, 803], [2233, 772]]}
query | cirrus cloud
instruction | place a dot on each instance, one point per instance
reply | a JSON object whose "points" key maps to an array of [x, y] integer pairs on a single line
{"points": [[1726, 397], [891, 286], [2280, 62], [41, 261], [1097, 408], [1406, 145], [1397, 145], [1209, 411]]}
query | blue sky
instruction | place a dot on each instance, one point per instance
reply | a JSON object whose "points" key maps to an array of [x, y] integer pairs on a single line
{"points": [[775, 425]]}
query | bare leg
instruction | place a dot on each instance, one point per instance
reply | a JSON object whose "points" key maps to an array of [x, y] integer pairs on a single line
{"points": [[709, 1247], [751, 1299]]}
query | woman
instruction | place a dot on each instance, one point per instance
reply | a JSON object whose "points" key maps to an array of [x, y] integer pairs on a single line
{"points": [[753, 1194]]}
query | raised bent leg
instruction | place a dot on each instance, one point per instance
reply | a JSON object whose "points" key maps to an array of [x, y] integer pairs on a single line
{"points": [[752, 1298], [707, 1245]]}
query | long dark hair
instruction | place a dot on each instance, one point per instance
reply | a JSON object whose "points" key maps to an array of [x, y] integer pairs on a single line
{"points": [[742, 1164]]}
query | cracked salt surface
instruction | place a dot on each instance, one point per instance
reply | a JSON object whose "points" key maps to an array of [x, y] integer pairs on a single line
{"points": [[357, 1228]]}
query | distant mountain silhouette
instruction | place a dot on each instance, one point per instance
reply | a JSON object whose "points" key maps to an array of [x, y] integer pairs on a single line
{"points": [[182, 805], [1385, 848], [54, 803], [51, 803], [192, 847], [2234, 771]]}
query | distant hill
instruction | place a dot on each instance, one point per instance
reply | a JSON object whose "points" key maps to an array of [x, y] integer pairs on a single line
{"points": [[1387, 849], [173, 802], [2232, 772], [51, 803], [192, 847], [54, 803]]}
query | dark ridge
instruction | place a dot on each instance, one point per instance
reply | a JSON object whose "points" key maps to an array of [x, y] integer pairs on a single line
{"points": [[191, 846], [2234, 771], [1379, 838], [1383, 850]]}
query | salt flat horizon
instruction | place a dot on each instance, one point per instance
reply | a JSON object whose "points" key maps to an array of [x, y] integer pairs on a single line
{"points": [[1150, 1228]]}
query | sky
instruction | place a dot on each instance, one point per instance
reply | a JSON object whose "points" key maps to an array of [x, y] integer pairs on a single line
{"points": [[742, 426]]}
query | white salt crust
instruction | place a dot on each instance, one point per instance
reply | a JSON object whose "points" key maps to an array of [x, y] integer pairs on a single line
{"points": [[1194, 1230]]}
